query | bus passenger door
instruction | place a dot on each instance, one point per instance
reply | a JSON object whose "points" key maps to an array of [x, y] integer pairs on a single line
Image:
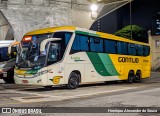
{"points": [[54, 55]]}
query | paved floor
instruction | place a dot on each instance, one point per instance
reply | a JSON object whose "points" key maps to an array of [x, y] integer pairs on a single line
{"points": [[145, 94], [28, 94]]}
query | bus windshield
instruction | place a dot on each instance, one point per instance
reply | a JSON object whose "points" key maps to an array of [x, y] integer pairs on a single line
{"points": [[29, 55]]}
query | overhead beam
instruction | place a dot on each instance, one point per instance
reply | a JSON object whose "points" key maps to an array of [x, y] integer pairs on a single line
{"points": [[118, 1], [107, 1]]}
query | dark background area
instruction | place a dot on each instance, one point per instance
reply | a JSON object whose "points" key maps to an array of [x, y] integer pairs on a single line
{"points": [[145, 13]]}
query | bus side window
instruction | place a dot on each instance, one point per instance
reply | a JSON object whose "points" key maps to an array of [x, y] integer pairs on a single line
{"points": [[4, 54], [139, 50], [67, 38], [96, 44], [76, 43], [146, 50], [122, 48], [84, 43], [110, 46], [131, 49], [80, 44], [119, 48]]}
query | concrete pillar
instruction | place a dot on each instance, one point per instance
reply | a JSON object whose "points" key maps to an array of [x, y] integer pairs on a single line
{"points": [[28, 15], [150, 39]]}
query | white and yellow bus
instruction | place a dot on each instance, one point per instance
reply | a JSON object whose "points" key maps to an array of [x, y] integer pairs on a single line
{"points": [[72, 56]]}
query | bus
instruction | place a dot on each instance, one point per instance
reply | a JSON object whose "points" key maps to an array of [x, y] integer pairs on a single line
{"points": [[7, 66], [71, 56], [8, 58], [4, 50]]}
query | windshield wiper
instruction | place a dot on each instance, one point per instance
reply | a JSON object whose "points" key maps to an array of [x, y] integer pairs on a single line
{"points": [[24, 61]]}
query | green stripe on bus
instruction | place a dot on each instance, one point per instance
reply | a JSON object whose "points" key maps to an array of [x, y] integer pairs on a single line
{"points": [[97, 63], [86, 33], [31, 72], [107, 62], [102, 64]]}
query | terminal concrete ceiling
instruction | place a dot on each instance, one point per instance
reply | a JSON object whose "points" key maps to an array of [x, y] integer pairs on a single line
{"points": [[6, 31], [2, 20]]}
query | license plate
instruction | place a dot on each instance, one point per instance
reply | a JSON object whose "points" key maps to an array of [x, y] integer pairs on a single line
{"points": [[24, 81], [4, 74]]}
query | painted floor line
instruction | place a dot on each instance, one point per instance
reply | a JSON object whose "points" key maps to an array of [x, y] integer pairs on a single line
{"points": [[46, 98], [102, 92], [33, 94], [96, 93]]}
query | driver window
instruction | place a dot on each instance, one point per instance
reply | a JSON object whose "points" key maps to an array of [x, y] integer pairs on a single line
{"points": [[54, 53]]}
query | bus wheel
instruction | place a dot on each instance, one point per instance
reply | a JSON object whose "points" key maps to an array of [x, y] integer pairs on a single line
{"points": [[138, 78], [73, 81], [48, 87], [130, 77], [10, 77]]}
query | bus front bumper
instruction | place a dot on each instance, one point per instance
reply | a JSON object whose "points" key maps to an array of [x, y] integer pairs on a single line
{"points": [[29, 81]]}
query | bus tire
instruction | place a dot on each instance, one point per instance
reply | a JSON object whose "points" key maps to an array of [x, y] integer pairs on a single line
{"points": [[130, 77], [10, 77], [48, 87], [138, 77], [73, 81], [8, 80]]}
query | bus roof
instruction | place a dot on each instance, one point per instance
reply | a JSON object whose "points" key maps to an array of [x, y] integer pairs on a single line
{"points": [[82, 31], [6, 43], [50, 30]]}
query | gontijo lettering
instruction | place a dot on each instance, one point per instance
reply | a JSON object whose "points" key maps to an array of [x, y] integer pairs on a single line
{"points": [[128, 60]]}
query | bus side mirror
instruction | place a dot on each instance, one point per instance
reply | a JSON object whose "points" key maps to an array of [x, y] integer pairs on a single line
{"points": [[15, 44]]}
